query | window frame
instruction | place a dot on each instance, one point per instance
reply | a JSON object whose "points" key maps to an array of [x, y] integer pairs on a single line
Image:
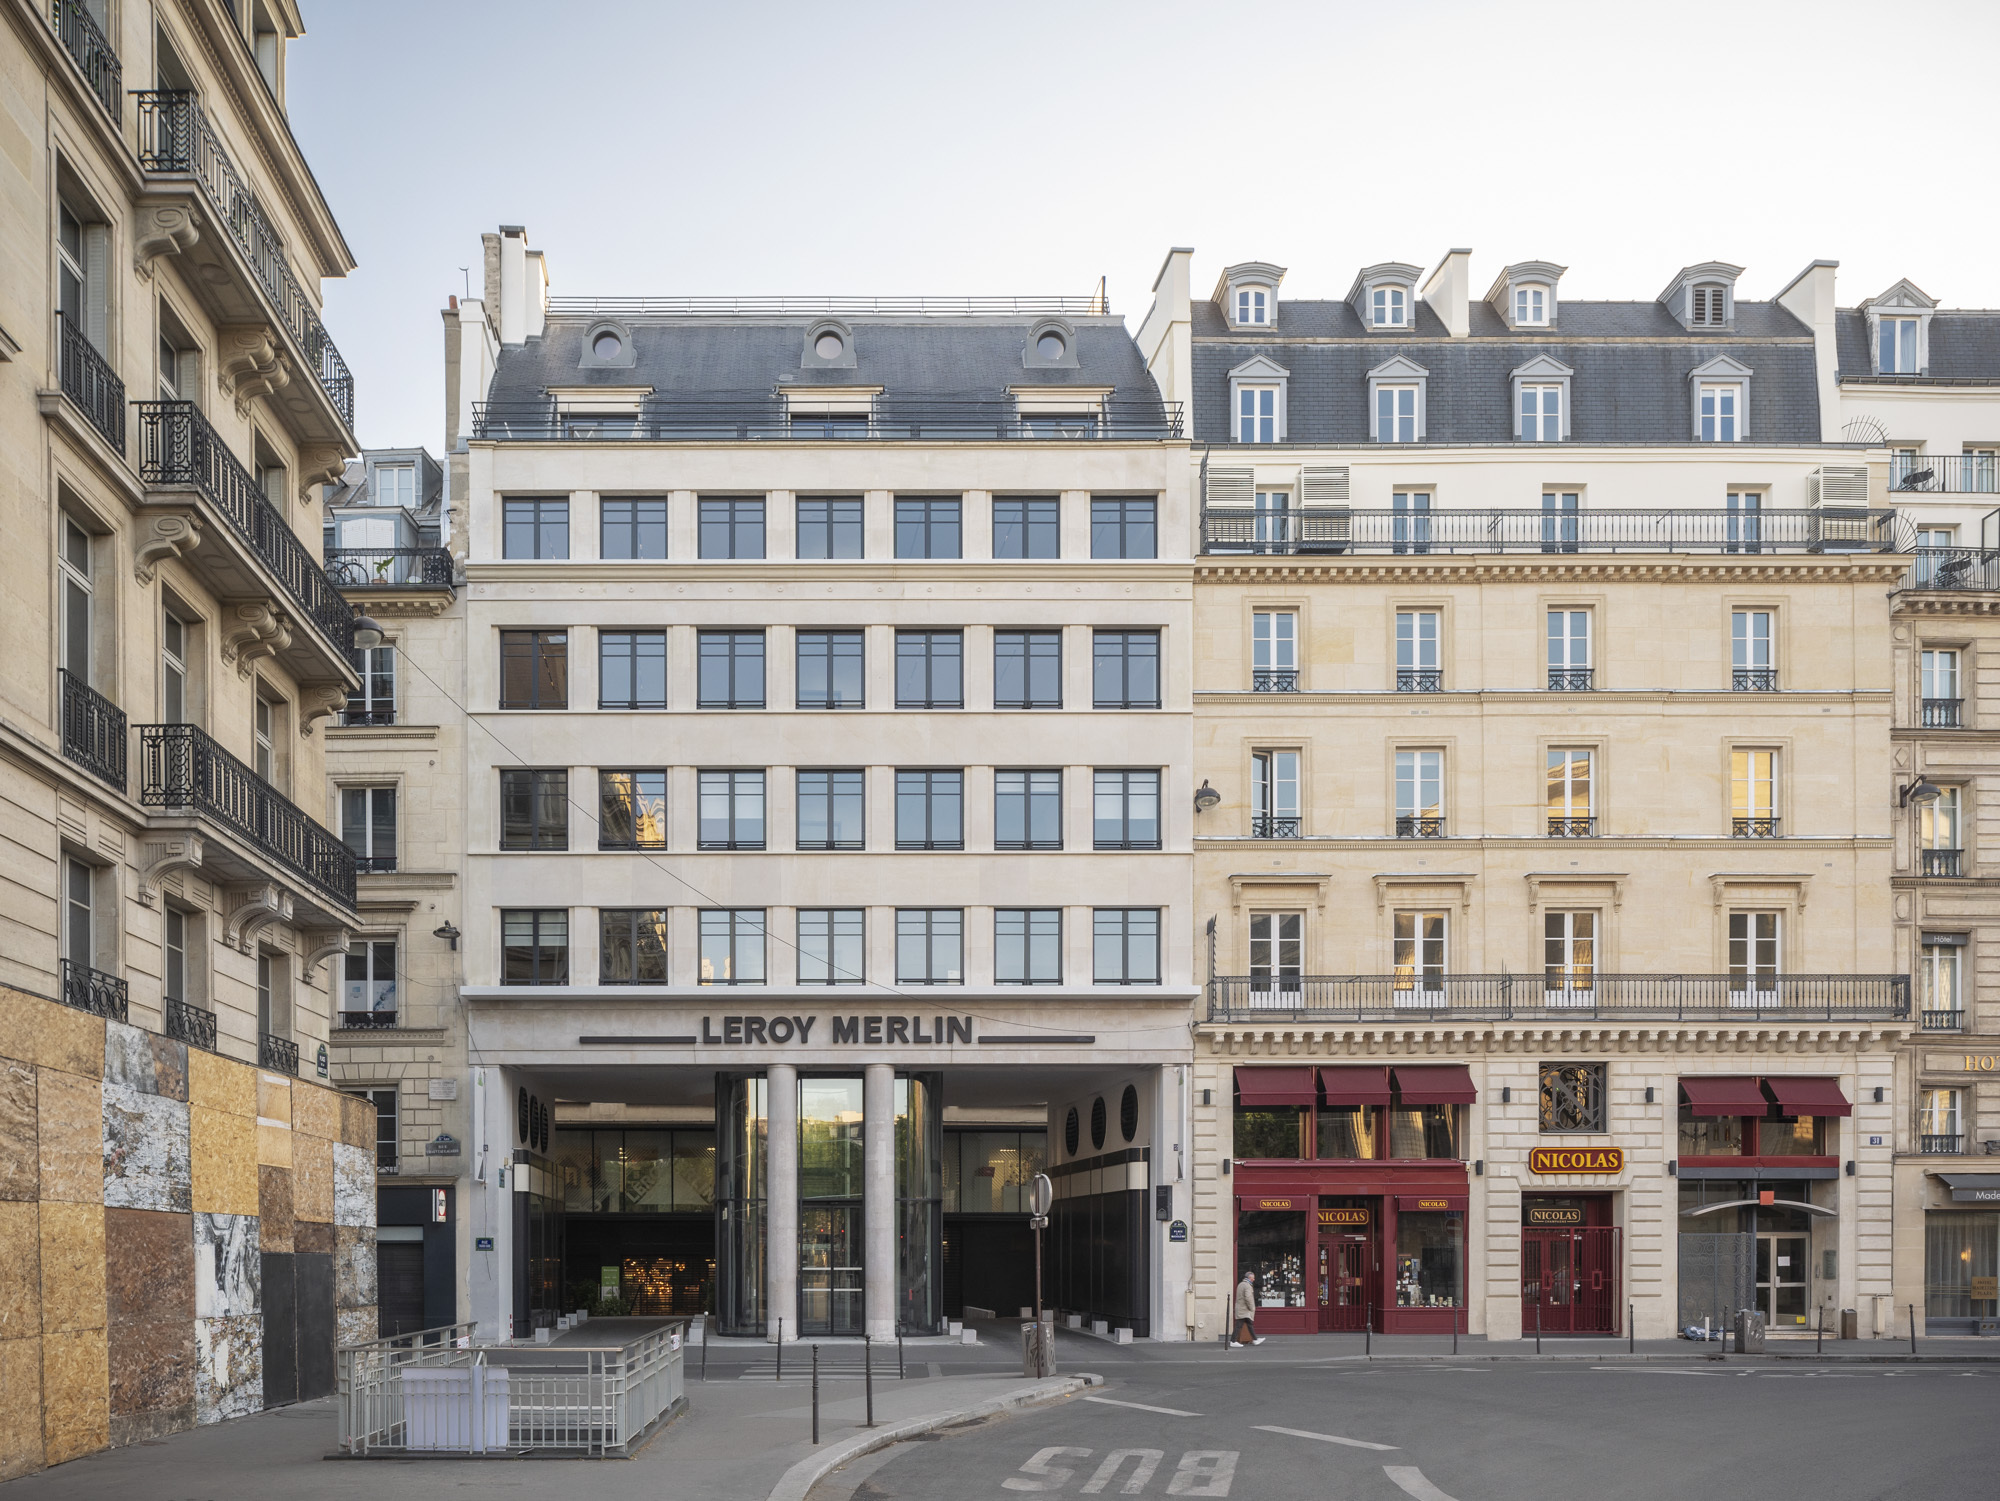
{"points": [[732, 934], [369, 858], [1411, 953], [737, 789], [556, 944], [541, 523], [370, 946], [1128, 793], [934, 522], [1031, 523], [633, 798], [1252, 308], [1419, 769], [1033, 798], [1124, 658], [545, 790], [1268, 644], [642, 519], [1389, 305], [1719, 425], [1030, 646], [733, 522], [1259, 415], [1413, 643], [1903, 323], [830, 651], [1531, 303], [1033, 955], [1747, 644], [546, 653], [629, 925], [1749, 950], [835, 973], [1539, 411], [852, 784], [638, 660], [1568, 979], [1127, 929], [930, 657], [834, 524], [1273, 814], [931, 927], [365, 706], [1755, 790], [1267, 967], [1125, 526], [931, 791], [1402, 426], [729, 651]]}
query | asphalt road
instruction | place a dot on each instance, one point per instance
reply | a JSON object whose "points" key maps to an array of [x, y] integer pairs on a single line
{"points": [[1263, 1431]]}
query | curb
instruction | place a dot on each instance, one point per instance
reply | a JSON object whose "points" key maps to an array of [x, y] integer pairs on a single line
{"points": [[1696, 1354], [808, 1472]]}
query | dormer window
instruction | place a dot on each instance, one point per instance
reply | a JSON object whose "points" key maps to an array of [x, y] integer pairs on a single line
{"points": [[1252, 309], [1720, 406], [1720, 398], [829, 346], [1397, 396], [1896, 346], [1704, 296], [1247, 294], [1389, 307], [1708, 307], [1256, 414], [1531, 307]]}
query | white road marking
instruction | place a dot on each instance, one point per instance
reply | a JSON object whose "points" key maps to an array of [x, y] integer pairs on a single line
{"points": [[1411, 1480], [1325, 1438], [1172, 1412], [1646, 1370], [1148, 1461]]}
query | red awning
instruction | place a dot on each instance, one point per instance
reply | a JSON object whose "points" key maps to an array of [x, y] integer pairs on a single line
{"points": [[1808, 1095], [1274, 1086], [1435, 1084], [1355, 1086], [1728, 1094]]}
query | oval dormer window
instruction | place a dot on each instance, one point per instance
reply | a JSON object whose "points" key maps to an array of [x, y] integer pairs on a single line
{"points": [[606, 345], [828, 346], [1051, 346]]}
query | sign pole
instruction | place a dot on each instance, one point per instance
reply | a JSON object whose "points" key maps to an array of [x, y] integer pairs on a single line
{"points": [[1041, 1198]]}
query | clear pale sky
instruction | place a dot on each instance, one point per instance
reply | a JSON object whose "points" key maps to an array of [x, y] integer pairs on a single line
{"points": [[1030, 148]]}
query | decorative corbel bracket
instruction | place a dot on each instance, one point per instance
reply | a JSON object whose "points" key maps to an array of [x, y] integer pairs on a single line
{"points": [[251, 908], [319, 464], [322, 944], [176, 852], [262, 632], [319, 701], [162, 229], [164, 537], [250, 364]]}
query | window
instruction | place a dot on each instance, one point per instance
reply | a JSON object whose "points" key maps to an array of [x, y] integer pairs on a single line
{"points": [[1417, 1132], [534, 669], [1388, 307], [1027, 810], [263, 743], [1026, 529], [82, 249], [927, 529], [1753, 952], [1027, 669], [930, 946], [1753, 664], [1123, 529], [1274, 794], [1941, 1120], [1560, 523], [830, 674], [1941, 700], [1719, 404], [632, 529], [534, 809], [730, 528], [395, 485], [534, 946], [831, 945], [1256, 414], [1417, 657], [1531, 308], [1277, 954], [930, 810], [1027, 946], [1753, 794], [1941, 976], [732, 946], [534, 529], [1569, 961], [1395, 414], [1125, 810], [1572, 1097], [1419, 794], [1125, 669], [79, 934], [631, 810], [1125, 946], [1418, 954], [729, 669], [829, 529], [1251, 307], [1274, 651], [1743, 521], [930, 670], [174, 956], [1541, 414], [1708, 306], [1570, 811], [173, 668], [1896, 346], [1569, 651], [1273, 524], [384, 1101], [632, 946], [374, 702], [730, 810], [73, 565], [1940, 842], [368, 826], [631, 669], [830, 810], [368, 984]]}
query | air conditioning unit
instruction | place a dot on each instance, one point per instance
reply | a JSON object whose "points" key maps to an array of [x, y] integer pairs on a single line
{"points": [[1838, 497]]}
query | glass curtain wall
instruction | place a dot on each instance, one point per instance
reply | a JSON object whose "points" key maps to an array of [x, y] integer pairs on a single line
{"points": [[742, 1124], [919, 1204]]}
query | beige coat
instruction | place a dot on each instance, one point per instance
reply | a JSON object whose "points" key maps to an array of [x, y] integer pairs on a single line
{"points": [[1246, 1300]]}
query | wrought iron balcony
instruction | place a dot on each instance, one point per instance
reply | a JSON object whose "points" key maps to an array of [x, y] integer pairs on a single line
{"points": [[91, 384], [278, 1053], [1271, 826], [1942, 713], [184, 770], [1934, 1144], [1753, 828], [1341, 529], [93, 730], [1419, 680], [353, 716], [374, 865], [1564, 826], [1941, 1021], [93, 990], [1507, 997], [1941, 862], [1753, 679], [1275, 680], [175, 136], [367, 1021], [1414, 826], [389, 567], [190, 1024], [1945, 473], [1572, 679], [1968, 569], [92, 53], [764, 416]]}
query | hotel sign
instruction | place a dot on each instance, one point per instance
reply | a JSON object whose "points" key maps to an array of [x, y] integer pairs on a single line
{"points": [[1344, 1216], [1576, 1160], [1964, 1063]]}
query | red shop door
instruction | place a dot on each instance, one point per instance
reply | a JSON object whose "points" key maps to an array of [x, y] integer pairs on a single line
{"points": [[1569, 1278], [1343, 1282]]}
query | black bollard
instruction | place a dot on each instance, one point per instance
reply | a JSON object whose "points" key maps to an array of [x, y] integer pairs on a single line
{"points": [[781, 1350], [1631, 1330], [1913, 1328], [1368, 1331], [1819, 1332], [815, 1393], [704, 1350], [1538, 1321], [899, 1355], [868, 1374]]}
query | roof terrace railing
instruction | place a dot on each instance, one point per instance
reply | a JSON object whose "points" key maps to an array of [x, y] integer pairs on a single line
{"points": [[1094, 304], [1338, 529], [1954, 569], [763, 418], [1748, 996]]}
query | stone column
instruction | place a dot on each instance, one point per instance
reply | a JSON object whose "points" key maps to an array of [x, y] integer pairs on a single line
{"points": [[878, 1127], [781, 1203]]}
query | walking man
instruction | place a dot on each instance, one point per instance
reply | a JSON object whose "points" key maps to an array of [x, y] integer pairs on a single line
{"points": [[1245, 1312]]}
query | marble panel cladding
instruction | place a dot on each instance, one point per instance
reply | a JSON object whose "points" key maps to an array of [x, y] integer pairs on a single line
{"points": [[274, 1209], [149, 1266], [227, 1267], [69, 1126], [353, 1184], [228, 1367], [144, 1061], [146, 1162], [20, 1152], [353, 1266]]}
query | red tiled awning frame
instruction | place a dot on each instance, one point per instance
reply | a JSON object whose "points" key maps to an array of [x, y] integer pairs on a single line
{"points": [[1284, 1085], [1355, 1084], [1723, 1094], [1807, 1094], [1435, 1084]]}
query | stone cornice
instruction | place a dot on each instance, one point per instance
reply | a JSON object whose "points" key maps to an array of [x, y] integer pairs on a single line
{"points": [[1391, 1040], [1957, 602], [1870, 568]]}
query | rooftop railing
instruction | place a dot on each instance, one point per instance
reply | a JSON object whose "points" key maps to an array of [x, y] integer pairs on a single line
{"points": [[1354, 998], [389, 567], [1954, 569], [1092, 304], [1950, 473], [767, 418], [1339, 529], [92, 52]]}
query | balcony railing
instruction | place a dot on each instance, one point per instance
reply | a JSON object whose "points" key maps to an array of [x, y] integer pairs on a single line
{"points": [[1503, 997], [1273, 826], [1933, 1144], [1754, 828], [1970, 569], [378, 715], [763, 416], [1949, 473], [374, 865], [175, 136], [1418, 826], [278, 1053], [371, 1021], [1419, 680], [1942, 713], [93, 730], [92, 52], [93, 990], [178, 447], [389, 567], [184, 770], [190, 1024], [1753, 679], [1941, 1021], [1565, 826], [1941, 862], [1572, 679], [1338, 529], [1275, 680], [89, 381]]}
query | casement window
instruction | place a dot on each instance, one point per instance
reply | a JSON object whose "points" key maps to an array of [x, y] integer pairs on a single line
{"points": [[1941, 975], [368, 826], [1274, 525], [1570, 668], [1026, 528], [1124, 529], [1540, 414], [73, 567], [83, 246], [930, 946], [1720, 406], [368, 983], [534, 808], [1417, 651], [1027, 809], [928, 529], [1753, 794], [1252, 307], [1274, 794], [1571, 813], [1941, 1119], [832, 945], [730, 528], [534, 946], [1125, 946], [1743, 521], [1896, 346], [1125, 810], [395, 486], [78, 914], [1531, 307], [1573, 1097], [831, 673], [930, 810], [1027, 669], [263, 738], [534, 669], [1388, 307], [534, 528], [829, 529], [729, 669], [1982, 470], [386, 1140], [632, 810], [1027, 945], [1941, 834], [632, 529], [1257, 414], [729, 810], [732, 946], [1419, 794], [1752, 651], [1418, 954], [1569, 955], [1939, 683], [1277, 956], [174, 669], [631, 669], [831, 805], [1395, 414], [1274, 651], [1125, 669], [632, 946], [1753, 953], [1708, 307], [374, 702], [930, 669], [1410, 521], [174, 955]]}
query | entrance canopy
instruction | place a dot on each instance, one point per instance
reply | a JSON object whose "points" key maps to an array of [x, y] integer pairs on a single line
{"points": [[1729, 1094]]}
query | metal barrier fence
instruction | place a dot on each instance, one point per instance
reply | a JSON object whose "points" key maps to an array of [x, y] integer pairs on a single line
{"points": [[1353, 998]]}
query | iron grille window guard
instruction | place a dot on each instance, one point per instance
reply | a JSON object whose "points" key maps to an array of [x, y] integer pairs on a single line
{"points": [[1278, 680], [1942, 713], [190, 1024], [1341, 529], [175, 136], [1271, 826], [389, 567], [279, 1053], [367, 1021], [1419, 680], [1942, 1021], [367, 716], [1941, 862], [93, 990], [1572, 679], [92, 53], [374, 865], [183, 769], [89, 381], [748, 416], [1753, 828], [1409, 826], [1562, 827], [1753, 679], [1932, 1144], [1498, 997], [93, 730], [178, 447]]}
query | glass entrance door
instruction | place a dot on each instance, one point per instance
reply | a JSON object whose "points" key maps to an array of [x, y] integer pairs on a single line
{"points": [[1782, 1273], [830, 1269]]}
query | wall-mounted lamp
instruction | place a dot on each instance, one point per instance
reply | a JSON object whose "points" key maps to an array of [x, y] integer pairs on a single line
{"points": [[1649, 1094], [1673, 1169], [1208, 1097], [1479, 1168], [1878, 1094], [1919, 791], [1205, 797], [1850, 1167], [448, 933], [1225, 1167], [367, 632], [1506, 1095]]}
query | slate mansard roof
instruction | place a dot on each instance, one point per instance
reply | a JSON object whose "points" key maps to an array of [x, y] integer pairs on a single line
{"points": [[1964, 345]]}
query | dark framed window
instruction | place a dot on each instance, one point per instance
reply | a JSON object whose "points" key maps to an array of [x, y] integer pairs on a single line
{"points": [[1125, 669], [631, 669], [1027, 528], [374, 702], [534, 809], [731, 528], [930, 946], [830, 810], [1423, 1131], [534, 946], [632, 946], [829, 529], [1027, 809], [1572, 1097], [384, 1101], [534, 528], [730, 669], [1124, 529], [1125, 946], [732, 946], [631, 810], [730, 810], [1125, 810], [534, 669], [830, 670], [928, 529], [930, 810], [1027, 669], [632, 529], [1027, 945], [930, 669], [831, 945], [368, 985], [368, 826]]}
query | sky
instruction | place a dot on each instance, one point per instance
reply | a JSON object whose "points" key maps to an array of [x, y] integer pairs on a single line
{"points": [[1030, 148]]}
